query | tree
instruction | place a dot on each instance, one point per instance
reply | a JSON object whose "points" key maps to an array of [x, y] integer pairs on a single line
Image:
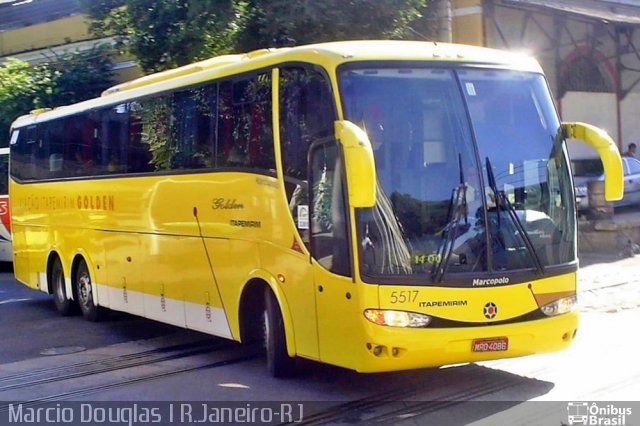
{"points": [[284, 22], [79, 76], [22, 89], [167, 33], [70, 78]]}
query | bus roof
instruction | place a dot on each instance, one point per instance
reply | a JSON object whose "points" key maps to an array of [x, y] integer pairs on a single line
{"points": [[330, 55]]}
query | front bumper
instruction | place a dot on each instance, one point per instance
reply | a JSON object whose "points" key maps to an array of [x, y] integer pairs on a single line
{"points": [[391, 349]]}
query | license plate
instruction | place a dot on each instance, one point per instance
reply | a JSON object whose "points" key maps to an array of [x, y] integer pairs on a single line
{"points": [[494, 344]]}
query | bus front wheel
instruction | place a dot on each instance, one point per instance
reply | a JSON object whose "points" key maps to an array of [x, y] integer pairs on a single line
{"points": [[85, 290], [279, 363], [64, 305]]}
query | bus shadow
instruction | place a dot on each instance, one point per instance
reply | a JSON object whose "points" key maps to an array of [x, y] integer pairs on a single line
{"points": [[449, 395]]}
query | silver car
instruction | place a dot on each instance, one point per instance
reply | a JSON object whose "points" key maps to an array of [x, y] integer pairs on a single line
{"points": [[586, 170]]}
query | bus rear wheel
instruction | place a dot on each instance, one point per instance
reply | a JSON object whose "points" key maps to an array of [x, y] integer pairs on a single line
{"points": [[84, 287], [64, 305], [279, 363]]}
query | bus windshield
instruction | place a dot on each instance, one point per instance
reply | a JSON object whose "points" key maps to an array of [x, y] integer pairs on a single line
{"points": [[472, 173]]}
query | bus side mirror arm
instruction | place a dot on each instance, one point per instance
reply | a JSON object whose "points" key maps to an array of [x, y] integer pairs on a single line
{"points": [[360, 169], [608, 152]]}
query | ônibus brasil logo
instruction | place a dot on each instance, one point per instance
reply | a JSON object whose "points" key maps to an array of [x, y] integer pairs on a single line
{"points": [[583, 413]]}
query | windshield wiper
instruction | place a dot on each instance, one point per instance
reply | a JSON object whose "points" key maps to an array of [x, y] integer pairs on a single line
{"points": [[503, 203], [459, 203]]}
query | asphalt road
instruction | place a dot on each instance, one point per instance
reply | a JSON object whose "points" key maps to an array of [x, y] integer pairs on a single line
{"points": [[30, 324], [137, 361]]}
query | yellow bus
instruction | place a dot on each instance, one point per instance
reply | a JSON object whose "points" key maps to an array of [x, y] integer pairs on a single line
{"points": [[375, 205]]}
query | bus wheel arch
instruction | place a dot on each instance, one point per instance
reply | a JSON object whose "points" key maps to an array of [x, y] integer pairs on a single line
{"points": [[84, 288], [264, 317], [56, 285], [250, 311]]}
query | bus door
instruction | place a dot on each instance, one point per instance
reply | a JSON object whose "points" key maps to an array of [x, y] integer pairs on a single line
{"points": [[313, 182], [335, 290]]}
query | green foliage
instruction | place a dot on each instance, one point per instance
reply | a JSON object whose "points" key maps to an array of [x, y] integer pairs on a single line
{"points": [[165, 34], [22, 89], [68, 78], [101, 9], [159, 131], [109, 18], [285, 22], [424, 24], [322, 202], [79, 76]]}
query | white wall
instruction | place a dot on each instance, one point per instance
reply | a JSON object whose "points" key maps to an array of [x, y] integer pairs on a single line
{"points": [[598, 109], [630, 112]]}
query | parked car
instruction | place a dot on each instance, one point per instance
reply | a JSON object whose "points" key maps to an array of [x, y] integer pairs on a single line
{"points": [[585, 170]]}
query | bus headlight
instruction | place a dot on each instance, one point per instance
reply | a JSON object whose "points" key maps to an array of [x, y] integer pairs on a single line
{"points": [[397, 318], [560, 306]]}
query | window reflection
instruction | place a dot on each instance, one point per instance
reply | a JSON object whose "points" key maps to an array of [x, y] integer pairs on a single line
{"points": [[516, 126], [225, 124], [436, 212], [430, 197]]}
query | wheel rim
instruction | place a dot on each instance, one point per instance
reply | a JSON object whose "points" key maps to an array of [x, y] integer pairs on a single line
{"points": [[84, 290]]}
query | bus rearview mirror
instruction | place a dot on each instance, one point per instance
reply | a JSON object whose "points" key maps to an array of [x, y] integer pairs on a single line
{"points": [[360, 168], [608, 152]]}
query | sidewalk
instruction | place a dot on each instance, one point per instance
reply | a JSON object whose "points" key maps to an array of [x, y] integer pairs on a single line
{"points": [[607, 283]]}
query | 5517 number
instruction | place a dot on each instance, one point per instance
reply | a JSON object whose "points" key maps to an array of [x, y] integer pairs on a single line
{"points": [[404, 296]]}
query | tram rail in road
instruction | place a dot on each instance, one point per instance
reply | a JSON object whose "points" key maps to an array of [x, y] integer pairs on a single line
{"points": [[41, 376], [36, 387]]}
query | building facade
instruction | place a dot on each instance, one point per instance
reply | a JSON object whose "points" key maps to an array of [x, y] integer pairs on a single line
{"points": [[590, 50], [38, 30]]}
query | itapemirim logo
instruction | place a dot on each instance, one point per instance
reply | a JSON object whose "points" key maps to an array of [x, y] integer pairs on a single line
{"points": [[583, 413]]}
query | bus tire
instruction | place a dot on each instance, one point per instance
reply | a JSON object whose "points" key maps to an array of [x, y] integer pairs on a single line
{"points": [[64, 305], [279, 363], [84, 287]]}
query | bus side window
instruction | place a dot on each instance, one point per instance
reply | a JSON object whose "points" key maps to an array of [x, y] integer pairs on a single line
{"points": [[245, 138], [158, 131], [194, 127], [77, 159], [37, 160], [23, 154], [114, 132], [225, 124], [243, 98], [138, 152], [260, 145], [54, 158]]}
